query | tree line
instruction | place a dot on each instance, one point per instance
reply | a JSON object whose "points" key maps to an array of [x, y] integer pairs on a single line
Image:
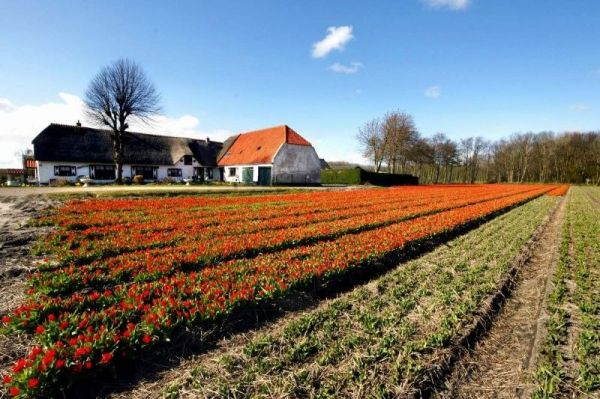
{"points": [[394, 145]]}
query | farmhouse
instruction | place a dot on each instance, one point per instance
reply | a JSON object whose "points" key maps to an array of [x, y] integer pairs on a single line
{"points": [[68, 152], [276, 155]]}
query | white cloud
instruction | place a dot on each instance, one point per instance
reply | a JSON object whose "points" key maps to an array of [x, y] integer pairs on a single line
{"points": [[19, 124], [336, 39], [579, 107], [451, 4], [5, 104], [353, 67], [433, 92]]}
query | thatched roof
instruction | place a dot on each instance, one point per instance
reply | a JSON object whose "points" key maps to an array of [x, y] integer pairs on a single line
{"points": [[227, 145], [66, 143]]}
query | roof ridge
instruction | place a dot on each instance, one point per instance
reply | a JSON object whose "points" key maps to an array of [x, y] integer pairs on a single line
{"points": [[132, 132], [264, 128]]}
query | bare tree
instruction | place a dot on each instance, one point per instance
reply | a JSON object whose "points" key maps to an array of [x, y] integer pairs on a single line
{"points": [[394, 142], [401, 134], [372, 142], [444, 155], [120, 92]]}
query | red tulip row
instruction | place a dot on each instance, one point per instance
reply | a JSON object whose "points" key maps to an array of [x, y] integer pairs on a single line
{"points": [[80, 214], [114, 239], [560, 191], [201, 250], [133, 317]]}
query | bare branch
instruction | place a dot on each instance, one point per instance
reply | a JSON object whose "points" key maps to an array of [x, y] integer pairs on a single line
{"points": [[120, 91]]}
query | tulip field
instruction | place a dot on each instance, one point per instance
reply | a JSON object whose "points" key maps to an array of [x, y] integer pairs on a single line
{"points": [[122, 276]]}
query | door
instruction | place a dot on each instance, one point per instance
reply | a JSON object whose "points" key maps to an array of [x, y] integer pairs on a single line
{"points": [[248, 175], [198, 174], [264, 175]]}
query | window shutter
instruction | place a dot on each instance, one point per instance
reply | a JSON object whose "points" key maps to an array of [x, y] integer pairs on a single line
{"points": [[56, 170]]}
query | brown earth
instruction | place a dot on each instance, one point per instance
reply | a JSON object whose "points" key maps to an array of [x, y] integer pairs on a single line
{"points": [[150, 189], [502, 363], [16, 261]]}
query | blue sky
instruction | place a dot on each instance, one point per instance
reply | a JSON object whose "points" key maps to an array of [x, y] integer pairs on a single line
{"points": [[463, 67]]}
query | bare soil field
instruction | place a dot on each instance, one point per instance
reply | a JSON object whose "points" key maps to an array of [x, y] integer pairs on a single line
{"points": [[16, 260], [112, 190]]}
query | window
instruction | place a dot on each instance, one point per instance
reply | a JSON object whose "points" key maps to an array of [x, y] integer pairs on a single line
{"points": [[174, 172], [210, 173], [65, 170], [187, 159], [232, 172], [149, 172], [102, 172]]}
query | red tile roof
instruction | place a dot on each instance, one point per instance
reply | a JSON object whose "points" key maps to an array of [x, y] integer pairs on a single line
{"points": [[260, 146]]}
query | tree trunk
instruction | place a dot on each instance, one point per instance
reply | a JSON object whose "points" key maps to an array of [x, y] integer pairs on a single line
{"points": [[118, 154]]}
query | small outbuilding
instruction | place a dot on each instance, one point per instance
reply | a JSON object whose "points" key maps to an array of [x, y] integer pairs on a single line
{"points": [[11, 176], [276, 155]]}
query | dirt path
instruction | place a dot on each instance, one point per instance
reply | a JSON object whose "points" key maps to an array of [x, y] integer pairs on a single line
{"points": [[20, 192], [502, 363], [16, 260]]}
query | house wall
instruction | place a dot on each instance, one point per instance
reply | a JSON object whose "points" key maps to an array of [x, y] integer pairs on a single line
{"points": [[45, 171], [293, 164], [296, 164], [238, 177], [187, 171]]}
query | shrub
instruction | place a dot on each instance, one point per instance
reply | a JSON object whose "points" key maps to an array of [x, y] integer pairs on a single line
{"points": [[138, 179], [168, 180], [341, 176], [360, 176]]}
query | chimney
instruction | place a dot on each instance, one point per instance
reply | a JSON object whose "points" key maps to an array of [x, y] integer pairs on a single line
{"points": [[78, 124], [208, 139]]}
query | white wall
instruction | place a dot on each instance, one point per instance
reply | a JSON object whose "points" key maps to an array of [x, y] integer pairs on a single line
{"points": [[297, 164], [45, 171], [238, 177]]}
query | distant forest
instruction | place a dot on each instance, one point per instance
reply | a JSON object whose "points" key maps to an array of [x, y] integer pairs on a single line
{"points": [[393, 145]]}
